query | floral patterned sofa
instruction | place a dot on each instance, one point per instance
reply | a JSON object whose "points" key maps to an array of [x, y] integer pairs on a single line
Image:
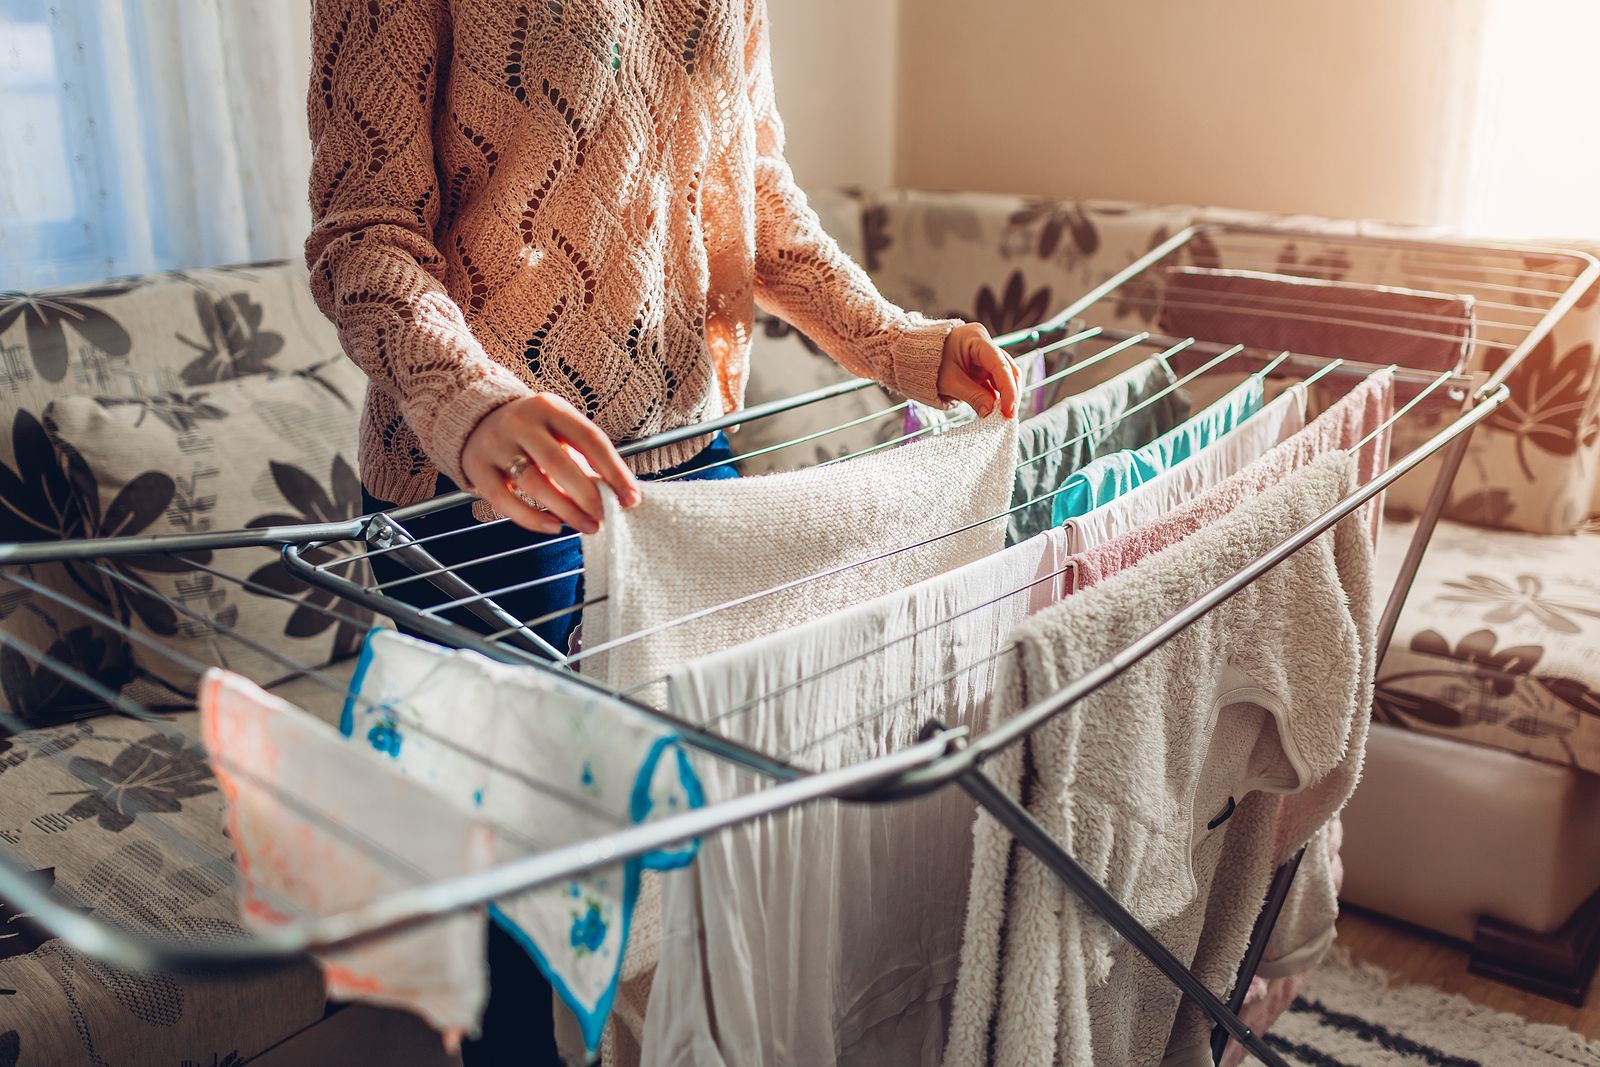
{"points": [[218, 398]]}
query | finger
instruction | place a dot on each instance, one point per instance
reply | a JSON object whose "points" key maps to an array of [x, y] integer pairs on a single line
{"points": [[487, 484], [974, 393], [597, 448], [998, 368], [542, 491], [1003, 372], [558, 466]]}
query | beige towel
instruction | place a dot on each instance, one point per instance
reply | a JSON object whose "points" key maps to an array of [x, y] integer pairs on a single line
{"points": [[693, 546], [1269, 694]]}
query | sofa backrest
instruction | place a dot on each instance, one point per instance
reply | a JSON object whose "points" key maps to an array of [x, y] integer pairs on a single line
{"points": [[1010, 261]]}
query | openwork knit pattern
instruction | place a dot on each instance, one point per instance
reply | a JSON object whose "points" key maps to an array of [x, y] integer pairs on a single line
{"points": [[573, 196]]}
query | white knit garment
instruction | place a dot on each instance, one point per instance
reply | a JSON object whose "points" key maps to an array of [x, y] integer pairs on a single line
{"points": [[1283, 417], [831, 935], [322, 828], [1268, 694], [692, 546]]}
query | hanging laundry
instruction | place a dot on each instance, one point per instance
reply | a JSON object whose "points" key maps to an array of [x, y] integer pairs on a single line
{"points": [[666, 567], [547, 760], [1231, 745], [829, 535], [1124, 412], [311, 841], [831, 935], [1300, 939], [1282, 417], [1358, 414], [1115, 474]]}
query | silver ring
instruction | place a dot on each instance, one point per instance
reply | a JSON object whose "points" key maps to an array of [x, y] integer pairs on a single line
{"points": [[517, 467]]}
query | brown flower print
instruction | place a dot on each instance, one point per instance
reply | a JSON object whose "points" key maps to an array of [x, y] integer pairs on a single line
{"points": [[1548, 398], [1054, 220], [1509, 603], [1330, 264], [154, 774], [875, 239], [1013, 309], [1492, 677], [316, 611], [47, 317], [1498, 669]]}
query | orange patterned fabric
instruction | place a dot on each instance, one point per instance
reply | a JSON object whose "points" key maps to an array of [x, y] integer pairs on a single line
{"points": [[583, 197]]}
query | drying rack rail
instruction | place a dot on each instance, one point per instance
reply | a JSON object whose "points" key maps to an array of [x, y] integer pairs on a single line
{"points": [[1522, 302]]}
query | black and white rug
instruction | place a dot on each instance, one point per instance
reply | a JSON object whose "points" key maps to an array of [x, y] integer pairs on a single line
{"points": [[1350, 1015]]}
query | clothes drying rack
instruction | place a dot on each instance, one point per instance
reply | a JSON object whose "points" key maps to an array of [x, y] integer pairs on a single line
{"points": [[1523, 291]]}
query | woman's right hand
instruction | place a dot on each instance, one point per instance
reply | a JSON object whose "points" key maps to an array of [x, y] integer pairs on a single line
{"points": [[564, 452]]}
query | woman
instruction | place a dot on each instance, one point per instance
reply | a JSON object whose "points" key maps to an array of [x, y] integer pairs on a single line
{"points": [[542, 228]]}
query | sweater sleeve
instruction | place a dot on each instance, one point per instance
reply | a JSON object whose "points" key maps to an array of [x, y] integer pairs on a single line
{"points": [[803, 276], [375, 271]]}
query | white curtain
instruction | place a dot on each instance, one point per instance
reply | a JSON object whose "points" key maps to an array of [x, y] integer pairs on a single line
{"points": [[143, 135], [1533, 158]]}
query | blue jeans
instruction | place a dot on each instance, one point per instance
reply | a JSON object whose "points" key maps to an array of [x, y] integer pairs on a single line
{"points": [[552, 554], [518, 1024]]}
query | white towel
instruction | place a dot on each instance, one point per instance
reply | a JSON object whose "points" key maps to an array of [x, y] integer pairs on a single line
{"points": [[551, 763], [1282, 418], [831, 935], [1268, 694], [691, 546], [328, 828]]}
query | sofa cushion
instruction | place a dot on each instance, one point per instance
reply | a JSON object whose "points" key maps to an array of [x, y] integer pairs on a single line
{"points": [[129, 338], [1499, 643], [125, 821], [254, 451]]}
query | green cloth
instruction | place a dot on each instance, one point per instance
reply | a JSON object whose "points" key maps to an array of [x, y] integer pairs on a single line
{"points": [[1110, 476], [1136, 406]]}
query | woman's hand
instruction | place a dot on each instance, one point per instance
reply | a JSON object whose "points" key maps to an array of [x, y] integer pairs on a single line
{"points": [[544, 447], [975, 370]]}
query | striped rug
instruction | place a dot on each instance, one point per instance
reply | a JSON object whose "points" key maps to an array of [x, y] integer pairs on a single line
{"points": [[1350, 1016]]}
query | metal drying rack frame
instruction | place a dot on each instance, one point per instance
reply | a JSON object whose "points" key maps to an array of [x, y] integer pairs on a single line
{"points": [[943, 756]]}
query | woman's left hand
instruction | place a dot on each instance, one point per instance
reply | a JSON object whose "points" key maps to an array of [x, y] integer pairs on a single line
{"points": [[975, 370]]}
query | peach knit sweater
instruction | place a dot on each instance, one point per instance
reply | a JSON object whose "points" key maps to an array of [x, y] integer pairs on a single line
{"points": [[586, 197]]}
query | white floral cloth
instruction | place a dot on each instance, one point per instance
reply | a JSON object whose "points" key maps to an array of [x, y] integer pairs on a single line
{"points": [[549, 762]]}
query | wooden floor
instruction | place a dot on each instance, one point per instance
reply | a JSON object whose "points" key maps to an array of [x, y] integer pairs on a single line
{"points": [[1416, 956]]}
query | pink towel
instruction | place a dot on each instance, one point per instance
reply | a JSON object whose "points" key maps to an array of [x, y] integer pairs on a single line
{"points": [[311, 841], [1346, 422]]}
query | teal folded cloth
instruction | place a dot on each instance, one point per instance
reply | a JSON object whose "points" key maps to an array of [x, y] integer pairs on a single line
{"points": [[1112, 475], [1136, 406]]}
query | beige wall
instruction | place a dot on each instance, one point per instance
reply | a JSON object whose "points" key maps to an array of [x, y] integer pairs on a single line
{"points": [[834, 64], [1345, 108]]}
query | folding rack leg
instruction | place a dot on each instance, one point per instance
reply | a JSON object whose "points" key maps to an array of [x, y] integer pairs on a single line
{"points": [[383, 532], [1277, 896], [1014, 817], [1453, 454]]}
